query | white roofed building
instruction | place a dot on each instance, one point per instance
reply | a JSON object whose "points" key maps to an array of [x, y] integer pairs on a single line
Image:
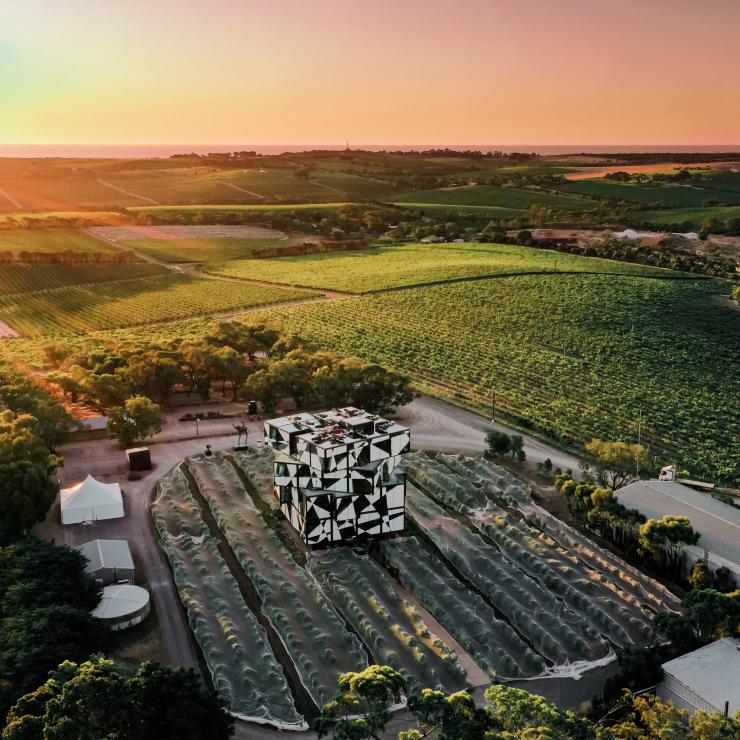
{"points": [[91, 501], [122, 606], [708, 678], [717, 522], [108, 560]]}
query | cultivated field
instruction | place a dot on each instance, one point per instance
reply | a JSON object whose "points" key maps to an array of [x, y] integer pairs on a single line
{"points": [[246, 675], [574, 356], [483, 578], [130, 303], [35, 277], [18, 241], [693, 217], [490, 195], [723, 189], [416, 264], [197, 243], [203, 250]]}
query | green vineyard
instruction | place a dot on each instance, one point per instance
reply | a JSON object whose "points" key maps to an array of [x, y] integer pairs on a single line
{"points": [[413, 264], [123, 303], [25, 278], [572, 356]]}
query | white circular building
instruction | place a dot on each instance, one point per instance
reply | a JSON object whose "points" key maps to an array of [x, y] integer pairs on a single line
{"points": [[122, 606]]}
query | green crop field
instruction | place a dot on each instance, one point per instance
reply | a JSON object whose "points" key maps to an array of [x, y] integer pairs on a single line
{"points": [[490, 195], [573, 356], [214, 210], [413, 264], [243, 186], [692, 217], [669, 194], [131, 302], [202, 250], [24, 278], [50, 240]]}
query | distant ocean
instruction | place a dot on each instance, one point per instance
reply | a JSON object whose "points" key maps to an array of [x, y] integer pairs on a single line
{"points": [[167, 150]]}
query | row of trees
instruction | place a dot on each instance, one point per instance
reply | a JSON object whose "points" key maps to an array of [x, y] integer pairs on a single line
{"points": [[98, 698], [252, 361], [46, 599], [361, 711], [607, 467], [499, 444], [45, 603], [31, 424], [68, 256], [664, 254]]}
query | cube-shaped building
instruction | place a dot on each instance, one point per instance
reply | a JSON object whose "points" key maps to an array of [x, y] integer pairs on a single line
{"points": [[337, 474]]}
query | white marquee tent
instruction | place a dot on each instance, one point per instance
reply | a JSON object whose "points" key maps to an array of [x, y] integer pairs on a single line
{"points": [[90, 501]]}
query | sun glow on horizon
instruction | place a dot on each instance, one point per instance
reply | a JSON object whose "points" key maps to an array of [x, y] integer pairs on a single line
{"points": [[495, 71]]}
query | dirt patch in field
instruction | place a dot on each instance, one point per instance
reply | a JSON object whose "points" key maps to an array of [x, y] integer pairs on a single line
{"points": [[8, 332]]}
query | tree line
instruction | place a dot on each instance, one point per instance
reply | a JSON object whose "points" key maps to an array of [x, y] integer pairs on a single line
{"points": [[361, 710], [68, 256], [129, 381], [46, 599]]}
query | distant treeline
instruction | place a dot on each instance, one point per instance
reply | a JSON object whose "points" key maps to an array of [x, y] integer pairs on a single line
{"points": [[657, 157], [69, 256], [63, 222], [311, 248], [660, 255]]}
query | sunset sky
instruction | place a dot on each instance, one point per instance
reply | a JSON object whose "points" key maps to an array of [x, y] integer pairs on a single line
{"points": [[382, 71]]}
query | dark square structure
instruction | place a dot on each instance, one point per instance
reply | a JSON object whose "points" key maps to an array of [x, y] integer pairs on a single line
{"points": [[337, 474]]}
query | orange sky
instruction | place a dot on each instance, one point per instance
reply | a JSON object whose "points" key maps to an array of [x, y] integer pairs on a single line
{"points": [[403, 72]]}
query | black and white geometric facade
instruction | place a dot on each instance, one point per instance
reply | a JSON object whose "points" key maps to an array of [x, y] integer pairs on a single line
{"points": [[337, 474]]}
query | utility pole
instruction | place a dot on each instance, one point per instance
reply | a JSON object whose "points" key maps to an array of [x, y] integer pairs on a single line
{"points": [[197, 427], [637, 452], [493, 406]]}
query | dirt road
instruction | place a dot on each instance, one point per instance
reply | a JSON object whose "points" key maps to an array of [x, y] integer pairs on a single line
{"points": [[439, 425], [110, 185]]}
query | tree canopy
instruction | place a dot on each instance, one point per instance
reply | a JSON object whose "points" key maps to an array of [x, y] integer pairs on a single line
{"points": [[27, 484], [45, 602], [138, 418], [614, 464], [97, 699]]}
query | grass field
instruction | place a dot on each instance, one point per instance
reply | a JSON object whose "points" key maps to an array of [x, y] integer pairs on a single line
{"points": [[24, 278], [413, 264], [62, 194], [573, 356], [671, 195], [50, 240], [489, 195], [246, 186], [202, 250], [131, 302], [694, 217]]}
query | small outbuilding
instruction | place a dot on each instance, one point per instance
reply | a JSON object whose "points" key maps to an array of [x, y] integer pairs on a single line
{"points": [[122, 606], [708, 678], [139, 458], [108, 561], [91, 501]]}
